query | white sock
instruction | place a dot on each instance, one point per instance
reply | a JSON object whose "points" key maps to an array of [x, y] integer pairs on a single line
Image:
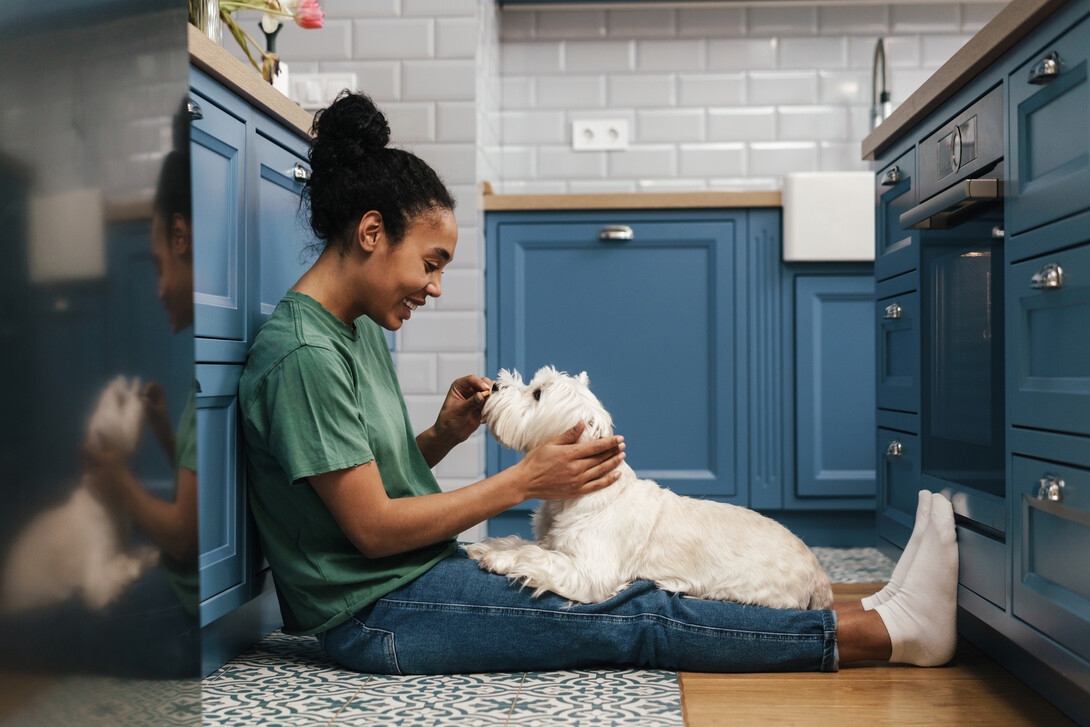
{"points": [[923, 509], [922, 617]]}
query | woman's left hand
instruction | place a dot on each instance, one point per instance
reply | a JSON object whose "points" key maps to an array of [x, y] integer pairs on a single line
{"points": [[460, 415]]}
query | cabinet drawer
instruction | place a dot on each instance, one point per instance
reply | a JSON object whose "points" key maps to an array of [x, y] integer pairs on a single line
{"points": [[898, 364], [1051, 581], [898, 483], [1050, 132], [1048, 349], [894, 193]]}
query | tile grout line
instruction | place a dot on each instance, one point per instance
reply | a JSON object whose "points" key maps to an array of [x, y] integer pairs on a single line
{"points": [[338, 714], [516, 701]]}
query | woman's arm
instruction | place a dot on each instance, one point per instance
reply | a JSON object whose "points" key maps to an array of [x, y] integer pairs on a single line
{"points": [[379, 526], [458, 418]]}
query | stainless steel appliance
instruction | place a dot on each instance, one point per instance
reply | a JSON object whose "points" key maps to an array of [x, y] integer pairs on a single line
{"points": [[961, 307]]}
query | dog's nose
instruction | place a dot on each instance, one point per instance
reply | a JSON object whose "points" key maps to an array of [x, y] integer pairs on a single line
{"points": [[495, 388]]}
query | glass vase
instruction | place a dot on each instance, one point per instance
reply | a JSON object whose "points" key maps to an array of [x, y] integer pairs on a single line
{"points": [[205, 14]]}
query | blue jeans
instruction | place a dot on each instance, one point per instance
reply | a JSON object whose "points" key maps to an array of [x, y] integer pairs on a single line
{"points": [[457, 618]]}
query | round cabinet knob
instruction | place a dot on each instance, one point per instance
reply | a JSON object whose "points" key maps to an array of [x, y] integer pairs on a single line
{"points": [[301, 173], [1049, 277], [895, 448], [891, 177], [893, 312], [1051, 488], [194, 110], [1046, 70]]}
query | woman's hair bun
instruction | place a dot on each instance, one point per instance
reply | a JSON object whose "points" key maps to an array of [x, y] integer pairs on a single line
{"points": [[352, 118]]}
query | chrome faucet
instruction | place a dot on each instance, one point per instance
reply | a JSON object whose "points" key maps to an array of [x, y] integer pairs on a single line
{"points": [[880, 105]]}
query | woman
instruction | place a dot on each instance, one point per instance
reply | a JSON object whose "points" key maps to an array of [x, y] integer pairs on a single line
{"points": [[360, 538]]}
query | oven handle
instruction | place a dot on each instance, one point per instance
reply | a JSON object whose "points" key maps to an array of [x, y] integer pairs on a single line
{"points": [[953, 206]]}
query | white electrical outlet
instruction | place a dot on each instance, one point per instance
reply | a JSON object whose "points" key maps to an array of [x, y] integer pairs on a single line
{"points": [[599, 134], [313, 91]]}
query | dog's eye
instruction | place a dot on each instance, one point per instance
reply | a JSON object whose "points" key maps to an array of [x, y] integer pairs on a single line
{"points": [[537, 394]]}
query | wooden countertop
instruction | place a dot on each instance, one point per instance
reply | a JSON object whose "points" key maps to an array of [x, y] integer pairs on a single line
{"points": [[1010, 25], [634, 201], [206, 54]]}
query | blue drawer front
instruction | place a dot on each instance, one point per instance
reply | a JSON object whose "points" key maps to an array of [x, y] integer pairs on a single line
{"points": [[651, 320], [899, 352], [895, 249], [1051, 126], [898, 483], [1049, 350]]}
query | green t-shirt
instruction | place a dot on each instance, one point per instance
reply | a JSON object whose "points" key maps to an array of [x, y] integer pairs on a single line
{"points": [[183, 576], [318, 395]]}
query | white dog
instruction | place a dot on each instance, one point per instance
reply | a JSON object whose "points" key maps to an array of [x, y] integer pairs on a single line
{"points": [[77, 547], [591, 547]]}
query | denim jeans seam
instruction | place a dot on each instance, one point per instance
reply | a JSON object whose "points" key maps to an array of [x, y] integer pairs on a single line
{"points": [[784, 637], [387, 642]]}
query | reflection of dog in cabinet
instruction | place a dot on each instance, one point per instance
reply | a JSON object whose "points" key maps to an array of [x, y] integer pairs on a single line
{"points": [[78, 547]]}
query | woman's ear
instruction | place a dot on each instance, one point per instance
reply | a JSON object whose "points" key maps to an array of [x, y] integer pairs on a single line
{"points": [[369, 231], [181, 237]]}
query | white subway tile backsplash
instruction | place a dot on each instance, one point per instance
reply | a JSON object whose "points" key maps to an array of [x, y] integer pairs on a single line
{"points": [[601, 56], [975, 16], [432, 331], [332, 43], [462, 291], [525, 186], [410, 122], [678, 125], [416, 372], [712, 160], [820, 53], [904, 81], [381, 80], [518, 26], [744, 183], [456, 121], [565, 25], [561, 162], [924, 18], [422, 409], [777, 158], [394, 38], [655, 161], [456, 37], [711, 89], [641, 90], [787, 87], [671, 185], [742, 54], [464, 213], [455, 163], [564, 92], [853, 19], [937, 49], [901, 51], [781, 20], [439, 8], [750, 123], [841, 156], [844, 87], [717, 22], [530, 58], [517, 162], [517, 92], [453, 366], [464, 461], [670, 55], [438, 80], [649, 23], [532, 127], [361, 8], [800, 123], [602, 186]]}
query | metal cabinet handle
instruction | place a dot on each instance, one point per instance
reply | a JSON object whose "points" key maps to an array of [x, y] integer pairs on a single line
{"points": [[893, 312], [895, 448], [891, 177], [301, 173], [194, 110], [1050, 487], [1049, 277], [615, 233], [998, 233], [1046, 70]]}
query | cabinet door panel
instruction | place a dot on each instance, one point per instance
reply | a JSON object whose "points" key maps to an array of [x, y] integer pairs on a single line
{"points": [[1049, 350], [652, 322], [898, 348], [1050, 126], [895, 249], [278, 235], [217, 149], [834, 386], [220, 480], [1052, 582], [898, 484]]}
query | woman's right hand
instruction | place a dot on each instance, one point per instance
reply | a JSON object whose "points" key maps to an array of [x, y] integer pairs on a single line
{"points": [[565, 467]]}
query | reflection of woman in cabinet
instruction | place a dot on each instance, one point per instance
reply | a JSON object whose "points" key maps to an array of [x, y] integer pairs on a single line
{"points": [[360, 538], [172, 526]]}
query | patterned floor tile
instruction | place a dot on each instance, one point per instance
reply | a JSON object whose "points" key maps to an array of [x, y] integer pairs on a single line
{"points": [[855, 565], [474, 700], [112, 702], [599, 698]]}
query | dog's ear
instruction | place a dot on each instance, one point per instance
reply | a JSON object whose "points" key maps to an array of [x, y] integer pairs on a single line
{"points": [[583, 379]]}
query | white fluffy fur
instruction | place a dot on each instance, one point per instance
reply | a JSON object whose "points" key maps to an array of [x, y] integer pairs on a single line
{"points": [[77, 547], [589, 548]]}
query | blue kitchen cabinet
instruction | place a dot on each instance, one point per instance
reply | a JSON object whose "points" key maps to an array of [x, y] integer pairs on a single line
{"points": [[895, 193], [834, 411]]}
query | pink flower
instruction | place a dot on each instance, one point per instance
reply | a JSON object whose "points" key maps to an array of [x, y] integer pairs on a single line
{"points": [[309, 14]]}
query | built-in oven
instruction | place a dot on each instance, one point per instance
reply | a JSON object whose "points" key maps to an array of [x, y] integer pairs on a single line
{"points": [[960, 219]]}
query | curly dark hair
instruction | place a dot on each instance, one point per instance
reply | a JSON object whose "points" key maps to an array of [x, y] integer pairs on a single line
{"points": [[353, 171]]}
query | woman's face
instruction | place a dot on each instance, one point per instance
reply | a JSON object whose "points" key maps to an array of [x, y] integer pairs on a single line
{"points": [[411, 271], [171, 250]]}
